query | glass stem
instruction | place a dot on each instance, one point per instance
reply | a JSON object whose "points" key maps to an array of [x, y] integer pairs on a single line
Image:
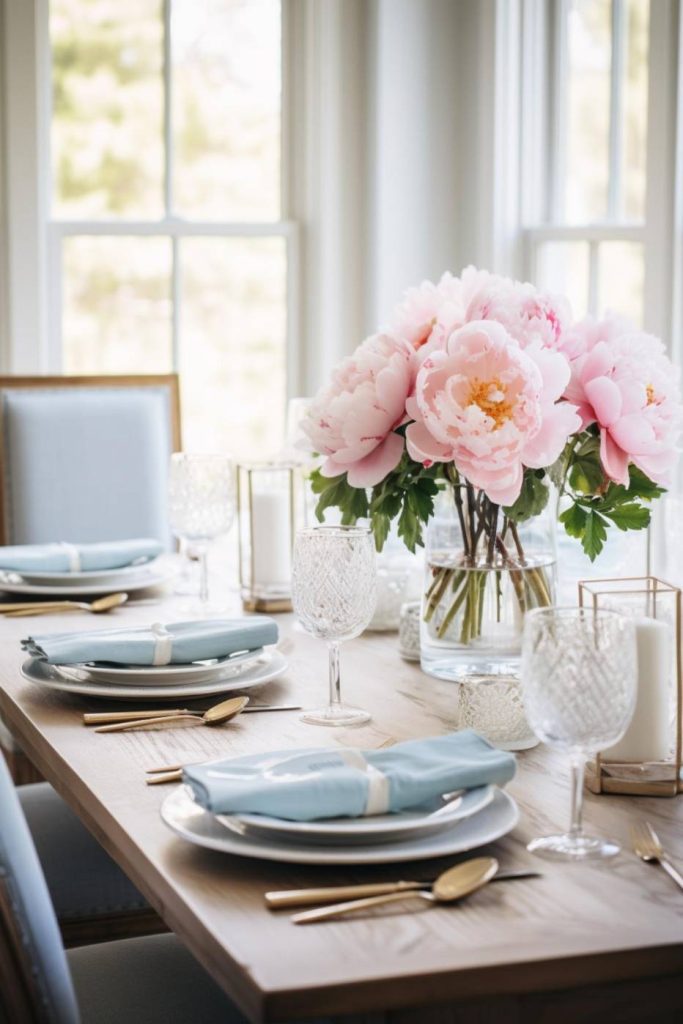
{"points": [[576, 768], [335, 678], [202, 551]]}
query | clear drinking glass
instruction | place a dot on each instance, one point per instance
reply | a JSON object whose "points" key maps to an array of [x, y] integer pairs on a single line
{"points": [[201, 501], [579, 675], [334, 594]]}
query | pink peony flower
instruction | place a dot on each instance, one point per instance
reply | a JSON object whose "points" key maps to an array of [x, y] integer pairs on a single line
{"points": [[624, 382], [527, 314], [352, 420], [427, 314], [491, 408]]}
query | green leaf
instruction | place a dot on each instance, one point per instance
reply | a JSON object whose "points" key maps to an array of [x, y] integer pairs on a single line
{"points": [[532, 499], [380, 529], [574, 521], [594, 534], [586, 475], [409, 528], [640, 486], [629, 516]]}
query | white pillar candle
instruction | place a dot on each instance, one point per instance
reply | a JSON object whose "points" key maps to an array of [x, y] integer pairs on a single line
{"points": [[649, 736], [271, 538]]}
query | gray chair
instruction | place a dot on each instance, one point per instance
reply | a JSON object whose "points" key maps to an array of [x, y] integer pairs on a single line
{"points": [[150, 980], [94, 900], [83, 459]]}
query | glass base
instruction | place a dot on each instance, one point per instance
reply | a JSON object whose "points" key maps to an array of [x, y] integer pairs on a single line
{"points": [[574, 847], [336, 715]]}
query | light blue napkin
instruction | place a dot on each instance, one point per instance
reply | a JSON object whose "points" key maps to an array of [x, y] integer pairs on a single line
{"points": [[114, 554], [304, 785], [185, 641]]}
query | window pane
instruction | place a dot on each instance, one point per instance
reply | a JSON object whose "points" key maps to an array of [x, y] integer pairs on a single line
{"points": [[587, 149], [107, 96], [621, 279], [635, 108], [226, 108], [117, 308], [233, 330], [563, 268]]}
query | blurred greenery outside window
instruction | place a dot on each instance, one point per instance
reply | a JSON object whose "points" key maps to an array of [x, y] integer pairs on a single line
{"points": [[166, 167], [590, 242]]}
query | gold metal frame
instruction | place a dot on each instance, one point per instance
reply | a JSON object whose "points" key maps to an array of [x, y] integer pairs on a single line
{"points": [[167, 380], [250, 601], [598, 778]]}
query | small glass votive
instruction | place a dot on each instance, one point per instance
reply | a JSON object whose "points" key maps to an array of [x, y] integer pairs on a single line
{"points": [[493, 707], [409, 631]]}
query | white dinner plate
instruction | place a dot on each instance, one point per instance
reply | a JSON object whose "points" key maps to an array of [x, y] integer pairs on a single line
{"points": [[105, 577], [379, 828], [270, 665], [190, 821], [161, 675], [144, 576]]}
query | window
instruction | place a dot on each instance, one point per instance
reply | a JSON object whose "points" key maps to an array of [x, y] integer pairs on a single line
{"points": [[168, 244], [587, 227]]}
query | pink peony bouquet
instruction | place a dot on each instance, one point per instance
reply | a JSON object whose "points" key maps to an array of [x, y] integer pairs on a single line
{"points": [[486, 384]]}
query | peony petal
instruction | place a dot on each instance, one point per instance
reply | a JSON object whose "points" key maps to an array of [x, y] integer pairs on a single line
{"points": [[502, 486], [559, 423], [657, 467], [614, 460], [634, 434], [423, 447], [598, 362], [605, 397], [554, 369], [378, 464]]}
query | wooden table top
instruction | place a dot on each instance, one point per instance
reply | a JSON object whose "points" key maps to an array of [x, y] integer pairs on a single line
{"points": [[576, 925]]}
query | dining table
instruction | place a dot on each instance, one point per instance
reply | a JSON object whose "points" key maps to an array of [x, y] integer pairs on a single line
{"points": [[581, 942]]}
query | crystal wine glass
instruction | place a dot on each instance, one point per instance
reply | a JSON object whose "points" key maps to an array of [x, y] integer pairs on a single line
{"points": [[579, 674], [201, 501], [333, 594]]}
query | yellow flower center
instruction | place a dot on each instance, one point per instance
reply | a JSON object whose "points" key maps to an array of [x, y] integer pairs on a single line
{"points": [[490, 396], [651, 396]]}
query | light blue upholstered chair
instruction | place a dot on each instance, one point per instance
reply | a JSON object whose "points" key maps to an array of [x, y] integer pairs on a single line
{"points": [[150, 980], [83, 459]]}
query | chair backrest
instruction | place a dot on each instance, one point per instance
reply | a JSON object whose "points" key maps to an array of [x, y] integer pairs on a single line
{"points": [[86, 458], [35, 983]]}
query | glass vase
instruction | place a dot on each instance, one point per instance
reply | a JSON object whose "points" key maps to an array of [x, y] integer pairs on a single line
{"points": [[482, 574]]}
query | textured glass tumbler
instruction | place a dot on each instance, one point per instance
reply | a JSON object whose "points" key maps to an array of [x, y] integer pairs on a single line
{"points": [[201, 504], [579, 680], [334, 587]]}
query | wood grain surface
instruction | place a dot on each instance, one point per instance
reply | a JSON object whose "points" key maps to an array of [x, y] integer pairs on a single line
{"points": [[580, 928]]}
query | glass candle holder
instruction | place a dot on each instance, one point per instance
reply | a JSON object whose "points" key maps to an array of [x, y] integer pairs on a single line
{"points": [[647, 760], [269, 512]]}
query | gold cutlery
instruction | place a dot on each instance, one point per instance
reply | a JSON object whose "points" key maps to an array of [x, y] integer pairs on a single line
{"points": [[648, 847], [217, 715], [309, 897], [109, 717], [17, 610], [161, 778], [452, 885]]}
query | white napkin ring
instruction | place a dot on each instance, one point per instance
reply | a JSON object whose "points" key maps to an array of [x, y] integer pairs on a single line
{"points": [[377, 801], [163, 644], [73, 554]]}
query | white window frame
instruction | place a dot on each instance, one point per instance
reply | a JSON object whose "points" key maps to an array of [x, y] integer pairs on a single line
{"points": [[543, 48]]}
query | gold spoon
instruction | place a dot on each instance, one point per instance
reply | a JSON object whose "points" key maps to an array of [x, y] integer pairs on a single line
{"points": [[98, 606], [216, 715], [452, 885]]}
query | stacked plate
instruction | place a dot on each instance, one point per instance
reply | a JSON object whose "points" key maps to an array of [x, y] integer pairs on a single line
{"points": [[159, 683], [444, 827], [86, 584]]}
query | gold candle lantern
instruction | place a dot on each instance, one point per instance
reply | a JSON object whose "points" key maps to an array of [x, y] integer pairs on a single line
{"points": [[647, 760], [269, 498]]}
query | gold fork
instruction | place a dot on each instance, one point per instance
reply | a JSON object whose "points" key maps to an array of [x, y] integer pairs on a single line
{"points": [[648, 847]]}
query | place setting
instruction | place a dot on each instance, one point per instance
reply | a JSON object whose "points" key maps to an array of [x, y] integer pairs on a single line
{"points": [[67, 572], [158, 663]]}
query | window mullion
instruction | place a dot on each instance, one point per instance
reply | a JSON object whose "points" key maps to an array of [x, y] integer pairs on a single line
{"points": [[168, 111], [558, 112], [616, 108]]}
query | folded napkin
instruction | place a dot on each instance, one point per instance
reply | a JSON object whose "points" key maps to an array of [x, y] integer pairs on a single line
{"points": [[114, 554], [304, 785], [177, 643]]}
